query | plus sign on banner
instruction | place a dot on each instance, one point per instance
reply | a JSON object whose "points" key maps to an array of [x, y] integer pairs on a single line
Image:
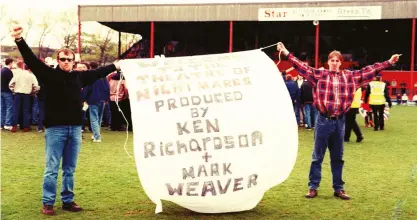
{"points": [[212, 133]]}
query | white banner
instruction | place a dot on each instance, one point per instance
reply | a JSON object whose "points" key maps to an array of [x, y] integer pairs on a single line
{"points": [[212, 133], [320, 13]]}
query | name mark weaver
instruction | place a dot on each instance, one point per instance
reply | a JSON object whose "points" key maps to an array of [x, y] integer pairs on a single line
{"points": [[210, 187]]}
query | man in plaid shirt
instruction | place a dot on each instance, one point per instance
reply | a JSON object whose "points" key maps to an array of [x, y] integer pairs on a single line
{"points": [[333, 91]]}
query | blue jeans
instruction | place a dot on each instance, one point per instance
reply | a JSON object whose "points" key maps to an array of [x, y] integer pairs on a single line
{"points": [[297, 112], [22, 101], [35, 110], [60, 142], [96, 116], [41, 104], [310, 114], [6, 109], [328, 133]]}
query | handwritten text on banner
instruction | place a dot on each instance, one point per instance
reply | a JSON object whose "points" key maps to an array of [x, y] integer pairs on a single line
{"points": [[212, 133]]}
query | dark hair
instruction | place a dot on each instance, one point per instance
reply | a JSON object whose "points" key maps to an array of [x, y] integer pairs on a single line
{"points": [[8, 61], [87, 65], [93, 65], [82, 63]]}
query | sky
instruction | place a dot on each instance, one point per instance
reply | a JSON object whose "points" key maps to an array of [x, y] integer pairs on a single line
{"points": [[37, 10]]}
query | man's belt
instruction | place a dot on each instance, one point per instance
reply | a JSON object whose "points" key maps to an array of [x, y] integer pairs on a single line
{"points": [[331, 117]]}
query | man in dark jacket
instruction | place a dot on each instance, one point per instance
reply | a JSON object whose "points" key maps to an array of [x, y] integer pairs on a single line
{"points": [[96, 95], [6, 95], [294, 92], [63, 118], [306, 99]]}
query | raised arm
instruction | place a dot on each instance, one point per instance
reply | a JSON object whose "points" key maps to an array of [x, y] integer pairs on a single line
{"points": [[306, 71], [366, 74], [90, 76], [38, 67]]}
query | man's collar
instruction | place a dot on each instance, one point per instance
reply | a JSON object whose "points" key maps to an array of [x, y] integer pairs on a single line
{"points": [[57, 67], [336, 72]]}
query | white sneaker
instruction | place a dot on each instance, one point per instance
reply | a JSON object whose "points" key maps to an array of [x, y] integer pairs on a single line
{"points": [[97, 141], [92, 137], [8, 127]]}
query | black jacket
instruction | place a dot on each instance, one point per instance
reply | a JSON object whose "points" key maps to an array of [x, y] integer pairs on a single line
{"points": [[62, 90], [6, 77], [306, 93]]}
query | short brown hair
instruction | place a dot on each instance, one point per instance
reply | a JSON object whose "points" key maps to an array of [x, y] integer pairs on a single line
{"points": [[8, 61], [337, 54], [66, 51], [93, 65]]}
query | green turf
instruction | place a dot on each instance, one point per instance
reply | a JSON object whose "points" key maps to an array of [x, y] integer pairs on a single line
{"points": [[380, 176]]}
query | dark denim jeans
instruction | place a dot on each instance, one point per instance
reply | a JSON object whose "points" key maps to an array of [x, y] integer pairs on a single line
{"points": [[21, 101], [41, 104], [328, 133], [297, 112], [61, 142], [107, 114], [35, 110]]}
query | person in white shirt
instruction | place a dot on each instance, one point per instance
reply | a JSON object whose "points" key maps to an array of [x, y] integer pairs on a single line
{"points": [[23, 84], [415, 98], [404, 99]]}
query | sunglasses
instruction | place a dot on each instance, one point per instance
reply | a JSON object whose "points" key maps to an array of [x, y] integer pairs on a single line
{"points": [[63, 59]]}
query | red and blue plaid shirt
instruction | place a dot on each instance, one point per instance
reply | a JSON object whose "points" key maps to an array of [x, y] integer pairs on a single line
{"points": [[333, 91]]}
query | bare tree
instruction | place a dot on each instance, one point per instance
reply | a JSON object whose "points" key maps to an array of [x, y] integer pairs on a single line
{"points": [[103, 44], [45, 29], [29, 26], [27, 22], [66, 36], [133, 38], [127, 40]]}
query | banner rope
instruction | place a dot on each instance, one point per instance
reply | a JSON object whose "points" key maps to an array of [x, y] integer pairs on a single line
{"points": [[279, 55], [124, 117]]}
